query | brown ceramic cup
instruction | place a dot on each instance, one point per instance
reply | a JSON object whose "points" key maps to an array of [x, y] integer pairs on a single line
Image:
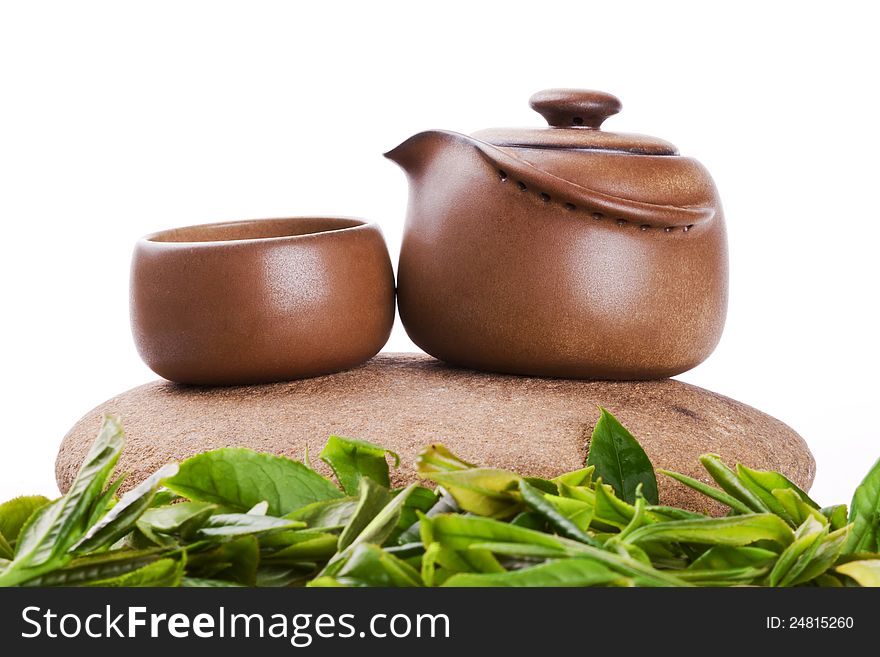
{"points": [[261, 301]]}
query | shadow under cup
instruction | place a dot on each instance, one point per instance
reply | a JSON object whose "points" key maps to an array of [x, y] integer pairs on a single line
{"points": [[261, 301]]}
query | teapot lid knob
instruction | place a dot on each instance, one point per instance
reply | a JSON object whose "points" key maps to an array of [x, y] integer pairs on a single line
{"points": [[578, 108]]}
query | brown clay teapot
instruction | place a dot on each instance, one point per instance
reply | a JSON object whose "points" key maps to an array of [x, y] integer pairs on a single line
{"points": [[562, 251]]}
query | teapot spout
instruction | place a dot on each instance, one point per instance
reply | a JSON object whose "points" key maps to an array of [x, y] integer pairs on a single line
{"points": [[417, 152]]}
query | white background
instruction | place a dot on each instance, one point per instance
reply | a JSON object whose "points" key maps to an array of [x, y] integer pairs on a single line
{"points": [[118, 119]]}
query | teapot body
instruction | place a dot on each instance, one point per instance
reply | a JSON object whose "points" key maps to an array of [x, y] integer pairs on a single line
{"points": [[507, 265]]}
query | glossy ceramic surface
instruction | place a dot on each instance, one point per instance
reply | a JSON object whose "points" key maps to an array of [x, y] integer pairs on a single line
{"points": [[260, 301], [562, 251]]}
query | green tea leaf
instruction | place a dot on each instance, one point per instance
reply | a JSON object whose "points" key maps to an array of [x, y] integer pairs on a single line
{"points": [[771, 488], [724, 557], [730, 483], [620, 460], [637, 553], [165, 572], [373, 498], [611, 510], [582, 477], [864, 514], [563, 572], [165, 497], [799, 551], [472, 560], [259, 509], [769, 481], [578, 512], [103, 566], [581, 493], [240, 478], [406, 551], [725, 577], [539, 504], [608, 513], [429, 563], [181, 519], [639, 518], [236, 560], [733, 530], [437, 458], [663, 513], [327, 514], [836, 515], [420, 501], [542, 485], [122, 517], [104, 503], [49, 533], [377, 530], [240, 524], [383, 524], [484, 491], [444, 504], [369, 565], [827, 580], [866, 572], [353, 459], [322, 582], [709, 491], [6, 552], [306, 546], [823, 558], [204, 582], [793, 509], [450, 562], [15, 512], [451, 559], [459, 532], [284, 576], [517, 550]]}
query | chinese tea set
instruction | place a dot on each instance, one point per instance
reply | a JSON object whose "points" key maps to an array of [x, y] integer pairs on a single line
{"points": [[564, 251]]}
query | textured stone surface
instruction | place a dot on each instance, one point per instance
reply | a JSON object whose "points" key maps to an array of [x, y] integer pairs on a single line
{"points": [[406, 401]]}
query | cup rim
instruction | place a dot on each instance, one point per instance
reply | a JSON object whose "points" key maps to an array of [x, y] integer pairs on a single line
{"points": [[335, 224]]}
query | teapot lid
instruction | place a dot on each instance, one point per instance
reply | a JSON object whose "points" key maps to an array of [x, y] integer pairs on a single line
{"points": [[574, 117]]}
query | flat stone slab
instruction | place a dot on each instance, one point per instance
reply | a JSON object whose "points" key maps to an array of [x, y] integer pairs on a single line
{"points": [[405, 402]]}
